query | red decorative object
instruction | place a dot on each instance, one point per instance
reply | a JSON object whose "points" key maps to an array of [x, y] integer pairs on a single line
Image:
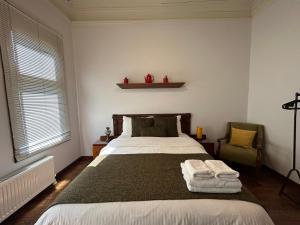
{"points": [[126, 80], [149, 78], [166, 80]]}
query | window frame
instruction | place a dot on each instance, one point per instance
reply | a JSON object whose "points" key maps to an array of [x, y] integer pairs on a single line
{"points": [[9, 56]]}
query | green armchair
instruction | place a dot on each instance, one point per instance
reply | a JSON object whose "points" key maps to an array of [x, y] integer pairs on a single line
{"points": [[250, 157]]}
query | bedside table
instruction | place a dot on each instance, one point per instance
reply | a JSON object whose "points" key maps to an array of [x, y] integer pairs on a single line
{"points": [[97, 146], [209, 146]]}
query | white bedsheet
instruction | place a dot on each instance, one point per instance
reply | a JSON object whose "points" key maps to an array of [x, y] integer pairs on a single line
{"points": [[142, 145], [160, 212]]}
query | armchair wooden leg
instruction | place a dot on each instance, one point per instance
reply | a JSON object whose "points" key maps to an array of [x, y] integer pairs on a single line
{"points": [[258, 164], [258, 168]]}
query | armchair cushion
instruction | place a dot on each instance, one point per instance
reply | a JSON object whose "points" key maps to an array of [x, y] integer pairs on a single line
{"points": [[259, 137], [238, 154], [242, 138]]}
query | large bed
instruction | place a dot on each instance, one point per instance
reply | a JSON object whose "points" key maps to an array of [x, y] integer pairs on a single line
{"points": [[125, 209]]}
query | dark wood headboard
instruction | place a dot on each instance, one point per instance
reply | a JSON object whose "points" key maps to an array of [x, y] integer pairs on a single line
{"points": [[185, 121]]}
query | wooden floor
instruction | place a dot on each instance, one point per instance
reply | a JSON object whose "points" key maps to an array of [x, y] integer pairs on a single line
{"points": [[282, 209]]}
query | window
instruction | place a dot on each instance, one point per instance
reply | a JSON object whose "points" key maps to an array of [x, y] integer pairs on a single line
{"points": [[32, 59]]}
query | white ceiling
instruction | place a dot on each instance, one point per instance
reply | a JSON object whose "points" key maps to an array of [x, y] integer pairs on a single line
{"points": [[82, 10]]}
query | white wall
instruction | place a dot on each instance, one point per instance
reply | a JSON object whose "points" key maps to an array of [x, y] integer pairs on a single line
{"points": [[66, 152], [211, 56], [275, 77]]}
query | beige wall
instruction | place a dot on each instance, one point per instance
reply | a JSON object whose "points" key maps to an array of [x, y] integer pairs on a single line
{"points": [[211, 56], [275, 77], [67, 152]]}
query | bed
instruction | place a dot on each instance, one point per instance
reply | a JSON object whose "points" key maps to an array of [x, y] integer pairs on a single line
{"points": [[138, 202]]}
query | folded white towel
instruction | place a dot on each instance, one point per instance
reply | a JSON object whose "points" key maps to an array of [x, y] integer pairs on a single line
{"points": [[198, 169], [214, 190], [208, 183], [221, 170]]}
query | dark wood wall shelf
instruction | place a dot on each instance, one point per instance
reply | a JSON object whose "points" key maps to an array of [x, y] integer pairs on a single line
{"points": [[150, 85]]}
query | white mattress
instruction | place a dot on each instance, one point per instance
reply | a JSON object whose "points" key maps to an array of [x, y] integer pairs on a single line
{"points": [[159, 212]]}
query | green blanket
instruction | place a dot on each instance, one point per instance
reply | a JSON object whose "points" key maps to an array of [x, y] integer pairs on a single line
{"points": [[138, 177]]}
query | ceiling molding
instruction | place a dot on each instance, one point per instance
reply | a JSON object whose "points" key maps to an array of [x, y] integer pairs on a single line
{"points": [[93, 10], [63, 6]]}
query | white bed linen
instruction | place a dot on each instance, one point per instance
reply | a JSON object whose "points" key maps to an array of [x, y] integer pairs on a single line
{"points": [[159, 212], [142, 145]]}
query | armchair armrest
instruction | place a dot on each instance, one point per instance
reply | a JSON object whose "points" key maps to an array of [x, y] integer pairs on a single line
{"points": [[219, 145]]}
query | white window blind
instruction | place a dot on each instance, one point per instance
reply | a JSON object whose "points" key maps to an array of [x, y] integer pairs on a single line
{"points": [[33, 64]]}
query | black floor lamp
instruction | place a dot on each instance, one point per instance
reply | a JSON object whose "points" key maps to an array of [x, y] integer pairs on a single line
{"points": [[293, 105]]}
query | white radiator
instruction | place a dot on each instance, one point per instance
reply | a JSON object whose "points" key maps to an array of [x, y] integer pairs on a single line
{"points": [[21, 186]]}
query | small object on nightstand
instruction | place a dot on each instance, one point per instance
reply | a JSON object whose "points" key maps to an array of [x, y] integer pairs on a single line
{"points": [[199, 132], [126, 81], [107, 133]]}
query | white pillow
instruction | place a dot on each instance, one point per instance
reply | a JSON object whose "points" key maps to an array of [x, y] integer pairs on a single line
{"points": [[179, 125], [127, 126]]}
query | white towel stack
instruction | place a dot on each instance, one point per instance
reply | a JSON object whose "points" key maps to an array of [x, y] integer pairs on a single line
{"points": [[210, 176]]}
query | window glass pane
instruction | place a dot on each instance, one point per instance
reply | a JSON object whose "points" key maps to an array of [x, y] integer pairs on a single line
{"points": [[34, 63], [41, 116]]}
